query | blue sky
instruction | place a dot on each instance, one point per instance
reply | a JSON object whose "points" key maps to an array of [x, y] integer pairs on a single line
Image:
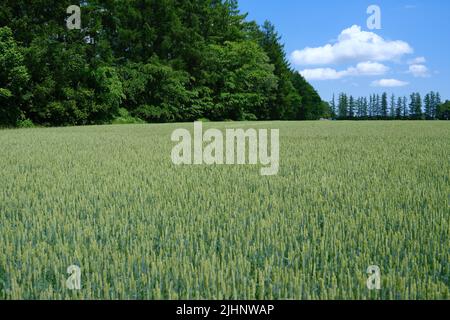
{"points": [[411, 51]]}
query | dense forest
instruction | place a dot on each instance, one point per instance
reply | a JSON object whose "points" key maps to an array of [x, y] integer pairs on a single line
{"points": [[385, 107], [145, 61]]}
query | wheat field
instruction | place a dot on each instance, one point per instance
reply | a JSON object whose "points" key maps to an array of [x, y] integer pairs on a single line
{"points": [[109, 200]]}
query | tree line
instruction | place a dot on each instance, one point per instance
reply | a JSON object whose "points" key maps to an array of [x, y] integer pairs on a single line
{"points": [[145, 60], [384, 107]]}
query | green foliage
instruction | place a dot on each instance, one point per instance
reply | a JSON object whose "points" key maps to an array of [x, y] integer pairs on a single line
{"points": [[444, 111], [5, 93], [124, 117], [348, 195], [162, 60], [13, 78], [109, 86], [156, 92], [25, 123], [312, 107], [240, 77]]}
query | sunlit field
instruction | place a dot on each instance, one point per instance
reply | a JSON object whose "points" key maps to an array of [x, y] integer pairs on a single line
{"points": [[109, 200]]}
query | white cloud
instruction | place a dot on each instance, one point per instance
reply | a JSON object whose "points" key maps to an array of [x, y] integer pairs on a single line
{"points": [[419, 71], [353, 44], [418, 60], [389, 83], [361, 69], [321, 74], [369, 69]]}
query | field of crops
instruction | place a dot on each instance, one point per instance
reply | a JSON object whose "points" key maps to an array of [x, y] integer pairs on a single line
{"points": [[108, 199]]}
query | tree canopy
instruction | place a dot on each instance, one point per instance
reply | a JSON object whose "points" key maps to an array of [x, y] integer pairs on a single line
{"points": [[157, 60], [376, 107]]}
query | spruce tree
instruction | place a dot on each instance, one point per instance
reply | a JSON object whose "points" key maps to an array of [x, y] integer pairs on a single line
{"points": [[428, 103], [351, 107], [392, 107], [405, 113], [343, 106], [399, 108], [384, 105]]}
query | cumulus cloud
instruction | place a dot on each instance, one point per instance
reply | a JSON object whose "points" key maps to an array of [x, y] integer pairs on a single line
{"points": [[419, 71], [321, 74], [361, 69], [418, 60], [368, 69], [389, 83], [353, 44]]}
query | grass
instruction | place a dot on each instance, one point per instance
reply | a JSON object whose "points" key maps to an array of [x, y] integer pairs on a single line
{"points": [[348, 195]]}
